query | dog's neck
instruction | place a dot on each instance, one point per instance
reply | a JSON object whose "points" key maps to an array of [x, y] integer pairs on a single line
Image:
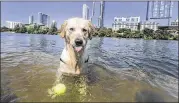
{"points": [[74, 56], [72, 59]]}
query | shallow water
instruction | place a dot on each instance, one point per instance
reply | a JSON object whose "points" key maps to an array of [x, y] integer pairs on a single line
{"points": [[120, 70]]}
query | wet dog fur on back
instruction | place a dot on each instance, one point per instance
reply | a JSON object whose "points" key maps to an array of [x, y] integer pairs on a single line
{"points": [[76, 32]]}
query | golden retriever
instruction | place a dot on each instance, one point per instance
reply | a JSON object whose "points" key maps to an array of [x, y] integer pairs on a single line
{"points": [[76, 32]]}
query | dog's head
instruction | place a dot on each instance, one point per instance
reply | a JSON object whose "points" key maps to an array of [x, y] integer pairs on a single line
{"points": [[76, 32]]}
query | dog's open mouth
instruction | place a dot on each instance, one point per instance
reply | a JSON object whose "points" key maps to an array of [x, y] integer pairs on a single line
{"points": [[78, 48]]}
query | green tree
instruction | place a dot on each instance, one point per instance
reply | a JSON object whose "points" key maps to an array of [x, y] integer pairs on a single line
{"points": [[115, 34], [175, 37], [127, 33], [30, 29], [17, 28], [166, 34], [119, 31], [109, 32], [122, 30], [103, 32], [162, 34], [44, 30], [22, 29], [136, 34], [148, 33], [52, 30], [3, 29], [36, 27]]}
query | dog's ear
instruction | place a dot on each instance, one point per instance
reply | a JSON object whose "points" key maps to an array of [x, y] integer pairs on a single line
{"points": [[92, 30], [62, 30]]}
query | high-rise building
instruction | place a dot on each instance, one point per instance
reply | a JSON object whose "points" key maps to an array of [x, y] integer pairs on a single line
{"points": [[54, 23], [101, 17], [44, 19], [85, 12], [39, 18], [48, 21], [161, 9], [128, 23], [93, 11], [31, 19], [12, 24]]}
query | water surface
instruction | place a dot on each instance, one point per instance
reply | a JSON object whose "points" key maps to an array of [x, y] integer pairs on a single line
{"points": [[120, 69]]}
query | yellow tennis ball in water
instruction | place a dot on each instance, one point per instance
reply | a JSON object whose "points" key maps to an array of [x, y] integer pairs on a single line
{"points": [[59, 89]]}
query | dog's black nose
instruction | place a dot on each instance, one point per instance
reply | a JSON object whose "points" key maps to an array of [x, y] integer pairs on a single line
{"points": [[78, 42]]}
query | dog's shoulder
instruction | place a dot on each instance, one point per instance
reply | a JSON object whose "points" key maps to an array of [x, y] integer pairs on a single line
{"points": [[64, 55], [85, 55]]}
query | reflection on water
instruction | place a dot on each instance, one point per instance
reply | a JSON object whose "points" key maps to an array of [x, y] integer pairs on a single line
{"points": [[119, 69]]}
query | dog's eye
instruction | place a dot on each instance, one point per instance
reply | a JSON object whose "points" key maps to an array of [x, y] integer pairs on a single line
{"points": [[72, 29], [84, 30]]}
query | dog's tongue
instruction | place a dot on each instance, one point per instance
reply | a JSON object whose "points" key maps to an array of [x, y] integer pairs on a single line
{"points": [[78, 48]]}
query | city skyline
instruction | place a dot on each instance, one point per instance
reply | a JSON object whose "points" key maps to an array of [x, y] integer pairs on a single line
{"points": [[10, 12]]}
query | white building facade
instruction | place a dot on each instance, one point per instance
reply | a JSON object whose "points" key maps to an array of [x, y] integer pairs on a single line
{"points": [[174, 23], [85, 12], [149, 25], [31, 19], [12, 24], [127, 23]]}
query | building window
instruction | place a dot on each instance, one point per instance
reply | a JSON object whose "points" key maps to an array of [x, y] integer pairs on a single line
{"points": [[115, 26], [132, 19], [127, 19], [137, 19]]}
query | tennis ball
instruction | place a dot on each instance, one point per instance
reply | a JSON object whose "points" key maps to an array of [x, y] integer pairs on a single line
{"points": [[59, 89]]}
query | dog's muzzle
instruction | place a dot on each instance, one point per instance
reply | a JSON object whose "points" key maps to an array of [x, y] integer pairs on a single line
{"points": [[78, 45]]}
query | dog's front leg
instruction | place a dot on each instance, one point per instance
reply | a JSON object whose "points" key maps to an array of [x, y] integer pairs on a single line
{"points": [[58, 77]]}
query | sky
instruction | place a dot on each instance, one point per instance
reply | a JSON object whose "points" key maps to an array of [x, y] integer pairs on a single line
{"points": [[60, 11]]}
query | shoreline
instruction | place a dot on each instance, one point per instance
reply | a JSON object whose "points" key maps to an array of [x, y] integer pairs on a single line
{"points": [[93, 36]]}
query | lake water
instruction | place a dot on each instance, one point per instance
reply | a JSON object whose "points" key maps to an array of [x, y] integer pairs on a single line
{"points": [[124, 70]]}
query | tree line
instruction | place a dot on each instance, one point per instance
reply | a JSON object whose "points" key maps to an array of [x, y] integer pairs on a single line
{"points": [[127, 33], [100, 32], [31, 29]]}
